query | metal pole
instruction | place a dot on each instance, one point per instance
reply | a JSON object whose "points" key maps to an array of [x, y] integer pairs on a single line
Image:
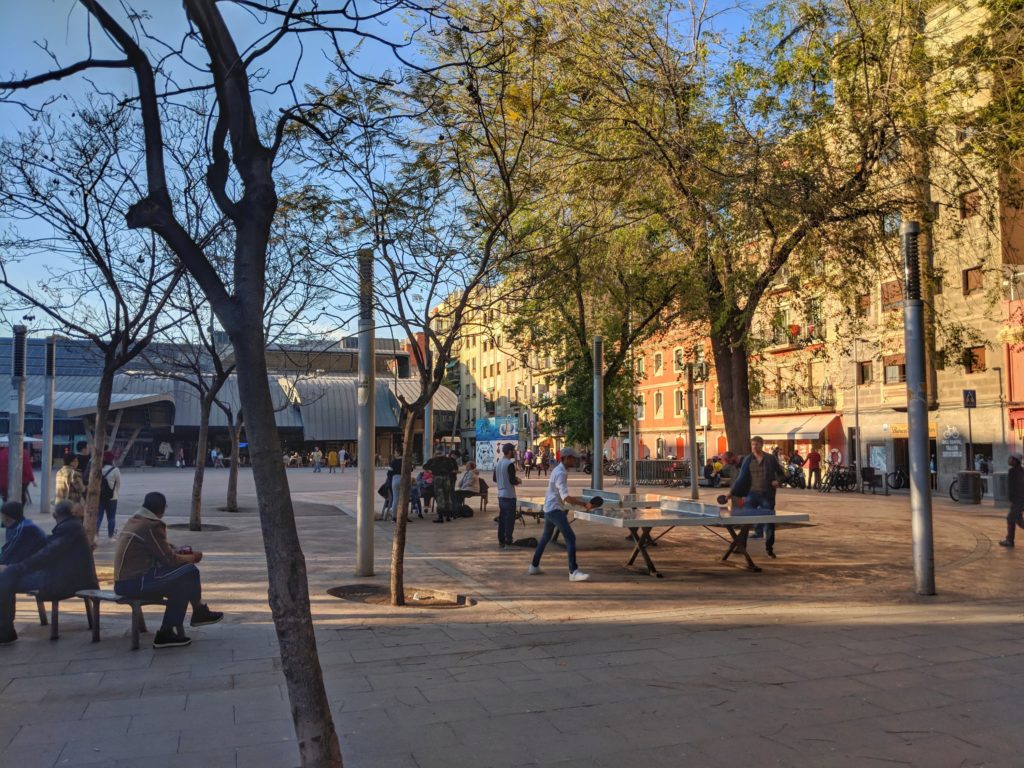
{"points": [[1002, 416], [970, 441], [428, 412], [597, 454], [856, 415], [366, 434], [16, 416], [46, 469], [917, 415], [691, 419]]}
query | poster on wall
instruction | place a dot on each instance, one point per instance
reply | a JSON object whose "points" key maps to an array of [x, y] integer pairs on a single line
{"points": [[491, 434]]}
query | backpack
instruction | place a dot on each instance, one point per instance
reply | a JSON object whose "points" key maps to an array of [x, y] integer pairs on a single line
{"points": [[106, 492]]}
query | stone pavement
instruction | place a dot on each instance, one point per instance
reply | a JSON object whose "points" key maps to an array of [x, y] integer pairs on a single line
{"points": [[827, 658]]}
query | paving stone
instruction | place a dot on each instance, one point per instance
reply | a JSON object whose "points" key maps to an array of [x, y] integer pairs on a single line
{"points": [[138, 747]]}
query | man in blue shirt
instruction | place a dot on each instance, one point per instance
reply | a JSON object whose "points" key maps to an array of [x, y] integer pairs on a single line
{"points": [[23, 537]]}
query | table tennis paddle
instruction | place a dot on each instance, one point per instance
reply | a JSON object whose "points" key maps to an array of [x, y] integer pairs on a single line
{"points": [[723, 499], [595, 502]]}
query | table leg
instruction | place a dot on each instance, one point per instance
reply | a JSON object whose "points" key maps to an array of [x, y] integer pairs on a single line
{"points": [[739, 545], [640, 543]]}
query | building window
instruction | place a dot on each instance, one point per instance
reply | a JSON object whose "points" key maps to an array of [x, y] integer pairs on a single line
{"points": [[815, 326], [659, 405], [698, 400], [892, 296], [974, 360], [864, 305], [678, 363], [641, 367], [895, 369], [973, 280], [658, 364], [890, 224], [864, 372], [970, 204], [680, 402], [641, 408]]}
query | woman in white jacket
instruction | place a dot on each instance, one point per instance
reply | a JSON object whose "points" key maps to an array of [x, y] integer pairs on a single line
{"points": [[110, 485]]}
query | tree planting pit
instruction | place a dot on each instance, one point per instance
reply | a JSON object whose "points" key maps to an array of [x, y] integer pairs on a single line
{"points": [[415, 597]]}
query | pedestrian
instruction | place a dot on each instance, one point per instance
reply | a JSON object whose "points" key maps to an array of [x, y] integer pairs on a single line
{"points": [[394, 481], [545, 460], [84, 460], [443, 468], [146, 565], [760, 476], [343, 460], [528, 461], [317, 457], [110, 486], [69, 485], [813, 469], [179, 458], [1015, 490], [469, 485], [27, 475], [332, 461], [556, 516], [22, 538], [506, 481], [60, 568]]}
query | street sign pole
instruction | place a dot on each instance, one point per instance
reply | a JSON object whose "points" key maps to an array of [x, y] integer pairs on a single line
{"points": [[366, 424], [970, 403]]}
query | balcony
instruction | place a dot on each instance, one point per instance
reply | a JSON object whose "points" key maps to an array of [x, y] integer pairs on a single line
{"points": [[784, 338], [823, 399]]}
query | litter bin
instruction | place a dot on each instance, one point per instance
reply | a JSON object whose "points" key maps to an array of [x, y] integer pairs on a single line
{"points": [[969, 485], [999, 485]]}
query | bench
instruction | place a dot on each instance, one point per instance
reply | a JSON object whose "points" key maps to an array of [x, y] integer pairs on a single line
{"points": [[54, 613], [93, 598]]}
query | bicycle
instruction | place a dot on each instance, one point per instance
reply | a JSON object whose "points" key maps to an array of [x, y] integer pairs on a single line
{"points": [[897, 479], [954, 488]]}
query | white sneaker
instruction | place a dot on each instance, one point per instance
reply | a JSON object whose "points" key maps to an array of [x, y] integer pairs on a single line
{"points": [[533, 570], [578, 575]]}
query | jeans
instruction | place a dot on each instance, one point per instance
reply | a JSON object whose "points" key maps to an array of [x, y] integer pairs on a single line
{"points": [[506, 520], [814, 477], [180, 585], [10, 585], [316, 465], [557, 518], [110, 508], [758, 503], [396, 481]]}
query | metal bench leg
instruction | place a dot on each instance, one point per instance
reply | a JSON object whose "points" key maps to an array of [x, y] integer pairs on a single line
{"points": [[54, 619], [88, 613], [142, 622], [137, 620], [94, 613], [41, 607]]}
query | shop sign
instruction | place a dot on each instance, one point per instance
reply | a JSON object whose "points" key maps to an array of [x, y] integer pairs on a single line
{"points": [[952, 443], [903, 430]]}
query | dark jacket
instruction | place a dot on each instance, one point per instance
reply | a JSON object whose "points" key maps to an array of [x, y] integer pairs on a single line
{"points": [[66, 561], [22, 539], [1015, 485], [143, 546], [772, 471]]}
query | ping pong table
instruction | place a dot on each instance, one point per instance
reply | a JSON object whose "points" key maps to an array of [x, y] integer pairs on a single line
{"points": [[676, 513]]}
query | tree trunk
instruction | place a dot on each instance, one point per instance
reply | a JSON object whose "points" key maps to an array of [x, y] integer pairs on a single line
{"points": [[195, 517], [92, 496], [286, 565], [235, 429], [733, 372], [401, 513]]}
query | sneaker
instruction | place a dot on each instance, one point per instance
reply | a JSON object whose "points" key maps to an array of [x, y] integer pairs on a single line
{"points": [[168, 638], [204, 616], [8, 637], [578, 575], [1005, 543], [533, 570]]}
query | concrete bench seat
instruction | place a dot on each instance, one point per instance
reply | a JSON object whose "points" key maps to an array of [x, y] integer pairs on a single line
{"points": [[93, 598], [54, 613]]}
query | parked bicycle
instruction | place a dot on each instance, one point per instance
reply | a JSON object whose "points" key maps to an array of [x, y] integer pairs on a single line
{"points": [[954, 488], [897, 479], [840, 477]]}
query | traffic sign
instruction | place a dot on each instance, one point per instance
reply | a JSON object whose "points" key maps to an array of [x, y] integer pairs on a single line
{"points": [[970, 398]]}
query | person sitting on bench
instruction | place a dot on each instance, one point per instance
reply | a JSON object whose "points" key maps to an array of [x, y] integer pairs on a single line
{"points": [[146, 565], [59, 569], [23, 537]]}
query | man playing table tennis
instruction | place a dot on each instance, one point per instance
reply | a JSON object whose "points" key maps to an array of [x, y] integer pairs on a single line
{"points": [[759, 477], [556, 516]]}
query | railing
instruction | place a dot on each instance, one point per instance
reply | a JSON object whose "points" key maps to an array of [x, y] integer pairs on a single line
{"points": [[657, 472], [794, 401]]}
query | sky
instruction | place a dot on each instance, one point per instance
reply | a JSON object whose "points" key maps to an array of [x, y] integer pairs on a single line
{"points": [[42, 31]]}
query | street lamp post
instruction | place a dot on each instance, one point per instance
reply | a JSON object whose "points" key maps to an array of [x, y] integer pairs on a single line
{"points": [[46, 467], [597, 454], [1002, 417], [16, 417]]}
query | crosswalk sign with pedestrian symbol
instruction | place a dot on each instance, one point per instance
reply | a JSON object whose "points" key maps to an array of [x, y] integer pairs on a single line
{"points": [[970, 398]]}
